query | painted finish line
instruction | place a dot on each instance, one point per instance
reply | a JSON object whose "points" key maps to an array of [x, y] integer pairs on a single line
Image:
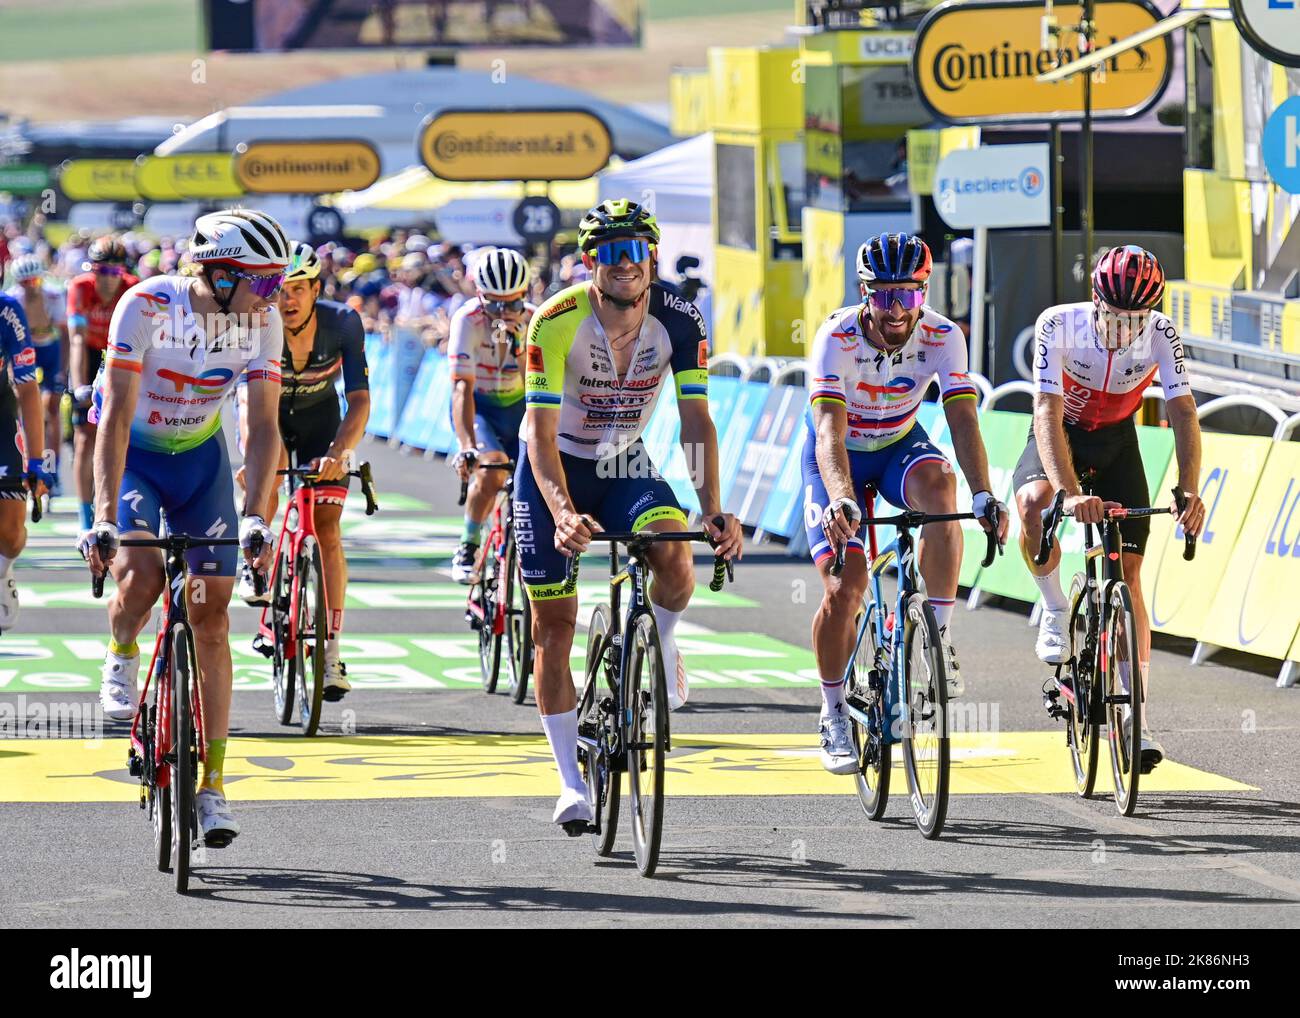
{"points": [[46, 663], [401, 767], [447, 595]]}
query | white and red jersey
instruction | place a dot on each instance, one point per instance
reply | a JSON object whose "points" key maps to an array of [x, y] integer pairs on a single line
{"points": [[475, 356], [881, 391], [1103, 387]]}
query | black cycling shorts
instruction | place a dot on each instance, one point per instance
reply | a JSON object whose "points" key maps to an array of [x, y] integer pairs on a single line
{"points": [[13, 461], [1115, 456], [308, 432]]}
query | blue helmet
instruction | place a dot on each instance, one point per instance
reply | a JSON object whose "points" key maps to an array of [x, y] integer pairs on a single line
{"points": [[894, 258]]}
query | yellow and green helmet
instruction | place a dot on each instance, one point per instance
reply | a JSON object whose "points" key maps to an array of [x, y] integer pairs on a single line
{"points": [[613, 219]]}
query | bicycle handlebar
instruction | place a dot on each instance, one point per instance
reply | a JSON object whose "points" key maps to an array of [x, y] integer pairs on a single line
{"points": [[913, 518], [1054, 513], [172, 542], [362, 472], [472, 458], [723, 570]]}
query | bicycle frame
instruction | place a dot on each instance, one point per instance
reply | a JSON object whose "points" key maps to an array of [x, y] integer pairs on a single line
{"points": [[299, 524], [502, 520]]}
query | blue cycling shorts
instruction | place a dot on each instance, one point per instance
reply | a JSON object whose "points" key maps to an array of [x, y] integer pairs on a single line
{"points": [[496, 428], [193, 492], [885, 469]]}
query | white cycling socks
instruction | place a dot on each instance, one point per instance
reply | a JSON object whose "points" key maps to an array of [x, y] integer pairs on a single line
{"points": [[1050, 585], [562, 733], [942, 610]]}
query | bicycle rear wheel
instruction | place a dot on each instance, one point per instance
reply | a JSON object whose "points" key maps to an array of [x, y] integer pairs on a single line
{"points": [[284, 673], [489, 640], [602, 779], [313, 629], [184, 774], [1082, 734], [160, 796], [519, 629], [926, 754], [872, 777], [647, 702], [1123, 706]]}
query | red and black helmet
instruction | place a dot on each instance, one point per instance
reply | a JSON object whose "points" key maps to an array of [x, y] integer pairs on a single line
{"points": [[1129, 278]]}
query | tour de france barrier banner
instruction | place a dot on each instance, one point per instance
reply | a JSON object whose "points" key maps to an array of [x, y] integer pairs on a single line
{"points": [[1178, 593], [382, 412], [1256, 609]]}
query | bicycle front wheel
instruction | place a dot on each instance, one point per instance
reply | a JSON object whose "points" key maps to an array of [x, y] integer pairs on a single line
{"points": [[284, 667], [519, 629], [1083, 734], [593, 722], [313, 629], [872, 777], [926, 755], [184, 772], [1123, 688], [489, 634], [647, 702]]}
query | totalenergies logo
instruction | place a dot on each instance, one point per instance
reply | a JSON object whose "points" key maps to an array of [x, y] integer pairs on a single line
{"points": [[210, 383], [891, 392], [156, 301]]}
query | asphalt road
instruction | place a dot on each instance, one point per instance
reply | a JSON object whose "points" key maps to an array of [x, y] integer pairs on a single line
{"points": [[427, 803]]}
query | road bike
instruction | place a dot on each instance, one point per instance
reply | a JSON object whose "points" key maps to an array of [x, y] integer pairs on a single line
{"points": [[1099, 683]]}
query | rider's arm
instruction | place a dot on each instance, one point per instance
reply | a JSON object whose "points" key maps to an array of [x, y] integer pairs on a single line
{"points": [[76, 341], [262, 444], [356, 388], [460, 353], [21, 355], [1186, 426], [544, 395], [1049, 403], [699, 437], [830, 416], [959, 406], [121, 389]]}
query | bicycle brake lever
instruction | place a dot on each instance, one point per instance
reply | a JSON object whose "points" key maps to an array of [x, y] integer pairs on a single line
{"points": [[1189, 540], [1051, 518]]}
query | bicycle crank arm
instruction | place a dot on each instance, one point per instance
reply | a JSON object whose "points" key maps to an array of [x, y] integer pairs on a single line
{"points": [[577, 828]]}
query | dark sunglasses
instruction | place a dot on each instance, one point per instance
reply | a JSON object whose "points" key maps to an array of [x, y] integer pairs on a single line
{"points": [[262, 286], [109, 270], [497, 307], [884, 297]]}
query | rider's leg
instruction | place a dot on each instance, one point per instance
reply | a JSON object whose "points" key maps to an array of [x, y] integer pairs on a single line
{"points": [[833, 629], [1133, 577], [53, 428], [1034, 494], [335, 565], [554, 621], [13, 538], [483, 488], [209, 607], [670, 592], [83, 449]]}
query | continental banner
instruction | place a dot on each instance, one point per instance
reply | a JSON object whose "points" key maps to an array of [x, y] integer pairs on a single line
{"points": [[1178, 593], [1257, 608]]}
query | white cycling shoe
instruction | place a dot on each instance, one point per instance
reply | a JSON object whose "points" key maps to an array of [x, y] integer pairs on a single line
{"points": [[118, 691], [337, 685], [247, 591], [572, 807], [216, 823], [1050, 646], [8, 601], [838, 754], [956, 687], [1152, 751]]}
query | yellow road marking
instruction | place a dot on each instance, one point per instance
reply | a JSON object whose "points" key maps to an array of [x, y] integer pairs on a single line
{"points": [[396, 767]]}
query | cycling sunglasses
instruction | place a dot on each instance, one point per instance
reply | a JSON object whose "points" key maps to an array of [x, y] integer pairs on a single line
{"points": [[884, 297], [110, 270], [264, 287], [497, 307], [637, 249]]}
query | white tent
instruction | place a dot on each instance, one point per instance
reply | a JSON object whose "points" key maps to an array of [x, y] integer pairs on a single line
{"points": [[676, 183]]}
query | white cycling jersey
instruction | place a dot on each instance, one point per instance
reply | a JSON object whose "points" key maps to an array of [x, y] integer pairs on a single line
{"points": [[184, 377], [882, 391], [1101, 387], [493, 367]]}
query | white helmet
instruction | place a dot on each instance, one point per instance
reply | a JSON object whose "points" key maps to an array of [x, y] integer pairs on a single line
{"points": [[251, 240], [305, 263], [499, 272], [27, 267]]}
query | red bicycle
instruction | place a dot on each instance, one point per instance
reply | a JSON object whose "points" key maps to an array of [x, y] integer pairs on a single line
{"points": [[490, 608], [295, 625]]}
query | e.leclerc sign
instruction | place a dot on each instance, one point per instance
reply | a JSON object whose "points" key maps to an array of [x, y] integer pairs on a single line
{"points": [[1271, 27], [993, 186], [977, 62]]}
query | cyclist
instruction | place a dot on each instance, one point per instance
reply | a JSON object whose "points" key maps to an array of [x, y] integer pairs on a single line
{"points": [[92, 297], [598, 354], [177, 346], [22, 399], [1092, 362], [872, 364], [322, 340], [487, 400], [48, 322]]}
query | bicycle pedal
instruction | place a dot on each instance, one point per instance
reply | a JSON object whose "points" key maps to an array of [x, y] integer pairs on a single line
{"points": [[217, 839], [263, 646], [475, 623], [577, 828]]}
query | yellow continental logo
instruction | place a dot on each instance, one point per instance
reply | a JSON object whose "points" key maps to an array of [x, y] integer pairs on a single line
{"points": [[99, 180], [524, 145], [568, 304], [316, 167], [978, 62]]}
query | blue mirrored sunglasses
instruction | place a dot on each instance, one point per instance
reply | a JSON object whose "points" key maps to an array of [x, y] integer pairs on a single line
{"points": [[637, 249]]}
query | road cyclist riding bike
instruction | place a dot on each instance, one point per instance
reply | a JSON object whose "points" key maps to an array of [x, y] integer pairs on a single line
{"points": [[487, 399], [598, 355], [1092, 363], [871, 366], [177, 346], [47, 319], [322, 339], [24, 468]]}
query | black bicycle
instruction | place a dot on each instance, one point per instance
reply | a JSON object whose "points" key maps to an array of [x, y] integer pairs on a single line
{"points": [[167, 740], [623, 711], [1100, 682]]}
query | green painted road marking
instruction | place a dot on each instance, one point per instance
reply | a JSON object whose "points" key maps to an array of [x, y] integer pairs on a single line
{"points": [[48, 664]]}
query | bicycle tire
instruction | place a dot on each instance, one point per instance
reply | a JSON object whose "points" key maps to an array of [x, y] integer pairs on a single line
{"points": [[872, 775], [284, 678], [647, 740], [927, 713], [1082, 731], [1125, 748], [313, 620], [603, 780], [489, 640], [184, 775], [519, 629], [162, 827]]}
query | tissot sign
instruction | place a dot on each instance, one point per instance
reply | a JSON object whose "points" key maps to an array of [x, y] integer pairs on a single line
{"points": [[1272, 27], [977, 62]]}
